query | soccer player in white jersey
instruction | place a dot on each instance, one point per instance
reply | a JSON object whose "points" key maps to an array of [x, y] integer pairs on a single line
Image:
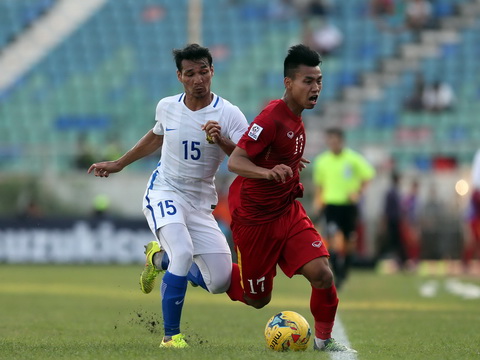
{"points": [[195, 130]]}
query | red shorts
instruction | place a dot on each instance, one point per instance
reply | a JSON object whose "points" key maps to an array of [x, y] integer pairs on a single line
{"points": [[290, 241]]}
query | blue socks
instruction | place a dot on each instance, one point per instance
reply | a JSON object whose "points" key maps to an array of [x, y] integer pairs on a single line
{"points": [[173, 295], [194, 275], [165, 261]]}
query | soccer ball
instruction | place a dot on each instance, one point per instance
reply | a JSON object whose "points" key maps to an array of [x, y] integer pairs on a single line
{"points": [[287, 330]]}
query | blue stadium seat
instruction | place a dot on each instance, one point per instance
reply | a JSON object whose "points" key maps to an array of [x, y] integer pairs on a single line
{"points": [[17, 15]]}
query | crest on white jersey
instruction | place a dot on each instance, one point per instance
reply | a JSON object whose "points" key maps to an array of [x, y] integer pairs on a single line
{"points": [[255, 131]]}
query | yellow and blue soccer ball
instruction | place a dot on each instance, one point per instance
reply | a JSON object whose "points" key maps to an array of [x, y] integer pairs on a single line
{"points": [[287, 330]]}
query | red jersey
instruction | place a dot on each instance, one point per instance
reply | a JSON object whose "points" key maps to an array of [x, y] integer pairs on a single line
{"points": [[276, 136]]}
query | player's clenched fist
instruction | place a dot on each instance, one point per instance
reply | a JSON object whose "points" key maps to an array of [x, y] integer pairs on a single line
{"points": [[213, 131]]}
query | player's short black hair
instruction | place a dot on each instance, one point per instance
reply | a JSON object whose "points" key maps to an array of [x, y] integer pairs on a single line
{"points": [[193, 52], [335, 131], [299, 55]]}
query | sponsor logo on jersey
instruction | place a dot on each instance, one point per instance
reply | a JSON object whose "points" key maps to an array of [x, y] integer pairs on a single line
{"points": [[255, 131], [169, 129], [317, 244], [290, 134]]}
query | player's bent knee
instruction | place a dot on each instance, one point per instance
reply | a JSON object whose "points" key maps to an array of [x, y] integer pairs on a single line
{"points": [[319, 274], [258, 303], [218, 289], [216, 271], [181, 262], [218, 286], [323, 278], [322, 284], [326, 279]]}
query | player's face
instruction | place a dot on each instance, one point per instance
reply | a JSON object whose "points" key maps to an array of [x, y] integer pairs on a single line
{"points": [[305, 87], [335, 143], [196, 77]]}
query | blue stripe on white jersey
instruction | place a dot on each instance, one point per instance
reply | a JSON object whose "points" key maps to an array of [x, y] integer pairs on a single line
{"points": [[150, 187]]}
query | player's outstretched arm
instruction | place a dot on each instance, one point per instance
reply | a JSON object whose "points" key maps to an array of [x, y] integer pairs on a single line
{"points": [[149, 143], [240, 163]]}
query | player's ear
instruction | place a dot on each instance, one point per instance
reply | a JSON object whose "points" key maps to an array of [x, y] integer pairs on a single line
{"points": [[287, 82], [179, 75], [212, 70]]}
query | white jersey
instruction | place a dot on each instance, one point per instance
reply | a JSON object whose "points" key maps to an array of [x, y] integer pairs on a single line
{"points": [[188, 163]]}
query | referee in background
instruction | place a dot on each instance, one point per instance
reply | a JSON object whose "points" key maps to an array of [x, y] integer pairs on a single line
{"points": [[339, 176]]}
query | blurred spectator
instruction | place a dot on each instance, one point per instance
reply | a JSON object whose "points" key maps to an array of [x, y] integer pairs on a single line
{"points": [[84, 157], [323, 36], [220, 52], [435, 241], [393, 222], [438, 97], [317, 8], [100, 207], [418, 15], [382, 7], [472, 244], [410, 202], [476, 182], [411, 222], [153, 13], [415, 101], [387, 15], [31, 211]]}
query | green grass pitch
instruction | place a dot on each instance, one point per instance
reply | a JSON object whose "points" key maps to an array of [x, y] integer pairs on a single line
{"points": [[98, 312]]}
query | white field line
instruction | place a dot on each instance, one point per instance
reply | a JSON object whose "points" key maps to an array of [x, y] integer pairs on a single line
{"points": [[466, 291], [340, 335], [429, 289]]}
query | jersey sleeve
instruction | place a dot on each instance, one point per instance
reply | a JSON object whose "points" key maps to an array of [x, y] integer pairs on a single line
{"points": [[365, 171], [258, 136], [237, 124], [158, 127]]}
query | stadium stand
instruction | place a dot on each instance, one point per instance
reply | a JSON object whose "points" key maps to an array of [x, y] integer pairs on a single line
{"points": [[104, 80], [420, 140], [16, 15]]}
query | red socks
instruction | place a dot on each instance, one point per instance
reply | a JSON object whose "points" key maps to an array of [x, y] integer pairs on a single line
{"points": [[323, 305], [235, 292]]}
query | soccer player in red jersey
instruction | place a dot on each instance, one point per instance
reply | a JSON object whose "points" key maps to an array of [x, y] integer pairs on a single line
{"points": [[269, 225]]}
